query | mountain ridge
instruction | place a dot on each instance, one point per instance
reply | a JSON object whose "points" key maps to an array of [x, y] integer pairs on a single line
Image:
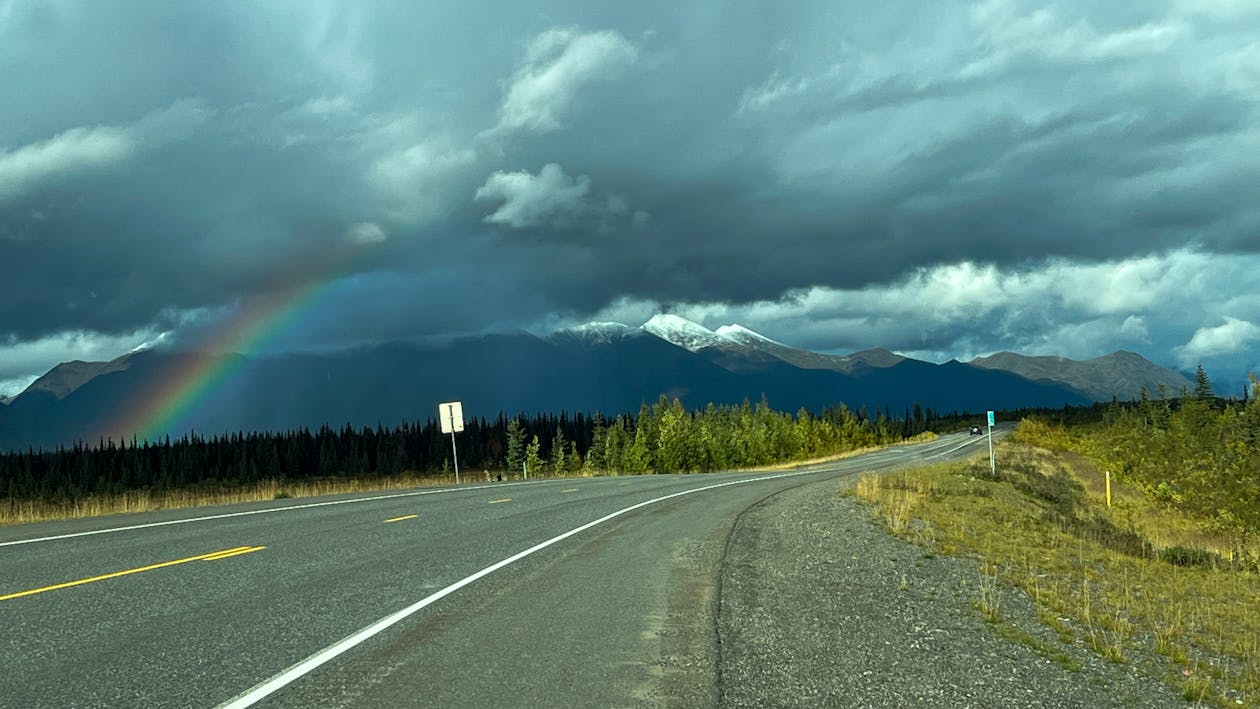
{"points": [[64, 378], [1120, 374], [610, 367]]}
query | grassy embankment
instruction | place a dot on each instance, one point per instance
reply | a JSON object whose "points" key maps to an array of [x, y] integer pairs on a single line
{"points": [[1138, 582]]}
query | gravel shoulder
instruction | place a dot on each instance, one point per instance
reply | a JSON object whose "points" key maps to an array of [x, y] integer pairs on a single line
{"points": [[820, 606]]}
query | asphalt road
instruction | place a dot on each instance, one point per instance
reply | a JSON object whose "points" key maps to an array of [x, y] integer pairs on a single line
{"points": [[477, 595]]}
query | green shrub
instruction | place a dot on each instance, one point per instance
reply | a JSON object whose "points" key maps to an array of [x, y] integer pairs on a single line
{"points": [[1189, 556]]}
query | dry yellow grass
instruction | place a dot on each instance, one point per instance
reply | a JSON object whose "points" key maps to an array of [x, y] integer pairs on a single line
{"points": [[27, 511], [132, 501], [1094, 574]]}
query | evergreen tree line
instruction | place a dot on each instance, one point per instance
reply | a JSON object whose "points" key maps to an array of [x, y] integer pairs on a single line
{"points": [[667, 438], [69, 473], [1196, 452], [663, 437]]}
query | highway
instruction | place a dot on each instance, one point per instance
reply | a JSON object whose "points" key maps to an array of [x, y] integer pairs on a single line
{"points": [[572, 592]]}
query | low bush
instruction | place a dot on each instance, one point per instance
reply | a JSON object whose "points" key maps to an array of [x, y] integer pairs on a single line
{"points": [[1186, 556]]}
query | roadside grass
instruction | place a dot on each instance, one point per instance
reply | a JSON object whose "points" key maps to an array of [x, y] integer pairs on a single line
{"points": [[924, 437], [25, 511], [132, 501], [1134, 583]]}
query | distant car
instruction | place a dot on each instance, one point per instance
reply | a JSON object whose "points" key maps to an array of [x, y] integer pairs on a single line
{"points": [[975, 431]]}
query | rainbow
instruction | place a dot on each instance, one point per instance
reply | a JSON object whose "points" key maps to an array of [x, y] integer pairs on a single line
{"points": [[163, 406]]}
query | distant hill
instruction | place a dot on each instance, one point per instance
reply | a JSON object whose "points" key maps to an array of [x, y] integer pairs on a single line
{"points": [[1121, 375], [610, 367], [68, 376]]}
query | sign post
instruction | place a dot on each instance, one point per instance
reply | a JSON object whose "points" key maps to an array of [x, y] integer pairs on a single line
{"points": [[992, 464], [451, 416]]}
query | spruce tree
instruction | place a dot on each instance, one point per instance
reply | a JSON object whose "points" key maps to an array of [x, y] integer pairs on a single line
{"points": [[675, 452], [638, 459], [615, 444], [533, 459], [597, 455], [515, 445], [1202, 385], [557, 452]]}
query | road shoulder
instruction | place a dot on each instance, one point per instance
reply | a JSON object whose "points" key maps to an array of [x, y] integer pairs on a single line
{"points": [[819, 606]]}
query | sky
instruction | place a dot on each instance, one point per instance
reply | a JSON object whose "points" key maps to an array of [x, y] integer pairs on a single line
{"points": [[944, 179]]}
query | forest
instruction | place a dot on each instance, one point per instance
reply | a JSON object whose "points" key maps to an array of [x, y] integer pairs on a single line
{"points": [[661, 438]]}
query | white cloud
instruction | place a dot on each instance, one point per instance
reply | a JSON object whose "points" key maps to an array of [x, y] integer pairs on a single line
{"points": [[326, 106], [12, 387], [414, 179], [1006, 35], [965, 309], [553, 198], [175, 122], [26, 168], [367, 233], [776, 89], [410, 167], [1134, 328], [21, 362], [557, 64], [1220, 9], [334, 39], [549, 197], [1231, 337]]}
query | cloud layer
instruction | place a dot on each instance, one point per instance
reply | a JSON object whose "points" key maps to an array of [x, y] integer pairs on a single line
{"points": [[949, 179], [558, 62]]}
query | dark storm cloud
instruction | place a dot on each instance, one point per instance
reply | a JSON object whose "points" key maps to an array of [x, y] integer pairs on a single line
{"points": [[162, 163]]}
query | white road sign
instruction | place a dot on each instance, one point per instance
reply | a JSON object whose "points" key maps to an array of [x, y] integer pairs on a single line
{"points": [[451, 414]]}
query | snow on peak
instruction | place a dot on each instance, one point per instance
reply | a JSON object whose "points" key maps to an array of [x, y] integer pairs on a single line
{"points": [[600, 332], [682, 332], [674, 329], [738, 333]]}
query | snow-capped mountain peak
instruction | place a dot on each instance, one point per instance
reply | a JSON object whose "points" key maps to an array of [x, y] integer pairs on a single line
{"points": [[598, 332], [738, 333], [683, 332]]}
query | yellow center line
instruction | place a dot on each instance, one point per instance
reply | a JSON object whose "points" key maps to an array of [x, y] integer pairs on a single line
{"points": [[571, 489], [212, 556], [506, 499], [232, 552], [404, 518]]}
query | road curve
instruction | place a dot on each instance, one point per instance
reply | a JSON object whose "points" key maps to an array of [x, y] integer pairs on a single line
{"points": [[586, 592]]}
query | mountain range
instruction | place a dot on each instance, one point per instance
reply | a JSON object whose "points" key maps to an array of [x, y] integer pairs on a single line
{"points": [[610, 367]]}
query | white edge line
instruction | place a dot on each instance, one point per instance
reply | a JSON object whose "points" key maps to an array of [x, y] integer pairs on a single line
{"points": [[964, 444], [268, 511], [951, 450], [277, 682]]}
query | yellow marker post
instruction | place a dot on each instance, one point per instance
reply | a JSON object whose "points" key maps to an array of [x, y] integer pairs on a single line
{"points": [[1109, 488]]}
